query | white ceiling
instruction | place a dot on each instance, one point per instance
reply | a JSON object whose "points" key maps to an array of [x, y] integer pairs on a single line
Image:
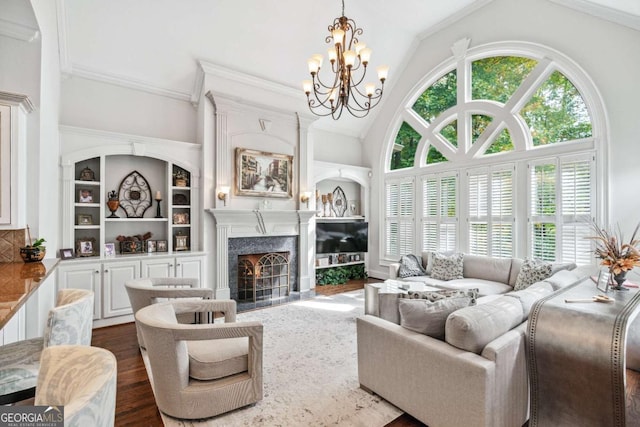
{"points": [[157, 42]]}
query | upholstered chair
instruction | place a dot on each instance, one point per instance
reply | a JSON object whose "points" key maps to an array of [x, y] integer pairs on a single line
{"points": [[147, 291], [201, 370], [69, 322], [83, 380]]}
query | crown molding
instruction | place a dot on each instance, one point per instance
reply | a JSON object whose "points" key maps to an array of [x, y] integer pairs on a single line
{"points": [[18, 31], [603, 12], [208, 68], [125, 81], [18, 99]]}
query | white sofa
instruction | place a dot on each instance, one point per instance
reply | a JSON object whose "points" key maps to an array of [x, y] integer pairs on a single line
{"points": [[477, 375]]}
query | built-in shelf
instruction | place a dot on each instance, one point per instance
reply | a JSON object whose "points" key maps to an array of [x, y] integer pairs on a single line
{"points": [[320, 267], [87, 205], [136, 219], [87, 227], [181, 225], [339, 218], [88, 183]]}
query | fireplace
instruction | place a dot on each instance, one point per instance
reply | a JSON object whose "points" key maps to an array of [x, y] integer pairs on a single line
{"points": [[263, 276]]}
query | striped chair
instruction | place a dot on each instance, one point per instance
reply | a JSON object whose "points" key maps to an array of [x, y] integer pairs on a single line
{"points": [[83, 380], [69, 322]]}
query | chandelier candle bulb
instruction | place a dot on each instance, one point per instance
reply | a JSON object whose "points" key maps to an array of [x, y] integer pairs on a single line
{"points": [[349, 58], [313, 66], [333, 55], [365, 56], [359, 46], [369, 89], [383, 71], [307, 85], [318, 58], [338, 36]]}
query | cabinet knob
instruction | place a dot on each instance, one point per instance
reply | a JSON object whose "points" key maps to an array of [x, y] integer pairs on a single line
{"points": [[106, 271], [170, 265], [97, 271], [178, 265]]}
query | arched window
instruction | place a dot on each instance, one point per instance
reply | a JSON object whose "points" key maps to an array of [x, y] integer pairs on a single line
{"points": [[495, 154]]}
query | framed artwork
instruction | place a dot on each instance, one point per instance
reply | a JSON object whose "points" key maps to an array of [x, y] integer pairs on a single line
{"points": [[151, 246], [66, 253], [181, 218], [85, 219], [263, 174], [85, 195], [161, 245], [604, 279], [134, 195], [109, 249], [86, 246], [181, 242]]}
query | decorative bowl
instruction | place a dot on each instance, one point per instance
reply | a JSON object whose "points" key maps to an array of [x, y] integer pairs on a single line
{"points": [[33, 254]]}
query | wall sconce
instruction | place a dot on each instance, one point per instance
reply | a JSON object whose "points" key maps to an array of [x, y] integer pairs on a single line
{"points": [[304, 197], [223, 193]]}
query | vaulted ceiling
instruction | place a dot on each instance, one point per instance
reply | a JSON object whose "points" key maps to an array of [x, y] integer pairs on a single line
{"points": [[154, 44]]}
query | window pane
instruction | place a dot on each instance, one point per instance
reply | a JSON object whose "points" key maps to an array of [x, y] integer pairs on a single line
{"points": [[448, 237], [576, 188], [501, 144], [438, 97], [557, 112], [404, 149], [478, 195], [450, 132], [392, 237], [429, 236], [543, 241], [448, 197], [478, 238], [434, 156], [478, 125], [430, 197], [498, 77], [543, 190], [502, 193], [392, 200], [502, 240], [575, 245]]}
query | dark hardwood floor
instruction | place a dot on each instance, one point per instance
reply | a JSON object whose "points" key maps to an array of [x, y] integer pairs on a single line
{"points": [[135, 404]]}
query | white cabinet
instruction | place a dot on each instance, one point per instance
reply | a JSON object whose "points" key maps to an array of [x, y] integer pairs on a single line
{"points": [[115, 274], [83, 276], [182, 266]]}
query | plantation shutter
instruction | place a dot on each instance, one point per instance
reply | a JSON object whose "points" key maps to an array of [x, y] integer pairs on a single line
{"points": [[399, 218], [561, 207], [491, 211], [577, 199], [439, 212]]}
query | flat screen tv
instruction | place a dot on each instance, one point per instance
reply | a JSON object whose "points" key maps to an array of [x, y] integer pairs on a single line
{"points": [[337, 237]]}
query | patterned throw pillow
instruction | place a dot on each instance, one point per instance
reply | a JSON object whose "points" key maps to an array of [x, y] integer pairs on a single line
{"points": [[410, 265], [447, 267], [444, 294], [532, 271]]}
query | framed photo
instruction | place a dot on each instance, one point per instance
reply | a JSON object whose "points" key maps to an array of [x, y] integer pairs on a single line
{"points": [[263, 174], [181, 218], [161, 245], [109, 249], [85, 219], [86, 246], [66, 253], [354, 208], [85, 195], [181, 242], [604, 279], [152, 246]]}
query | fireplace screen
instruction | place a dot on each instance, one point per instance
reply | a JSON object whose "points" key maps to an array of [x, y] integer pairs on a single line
{"points": [[263, 276]]}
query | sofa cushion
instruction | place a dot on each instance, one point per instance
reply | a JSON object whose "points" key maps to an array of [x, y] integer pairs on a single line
{"points": [[427, 259], [563, 278], [472, 328], [485, 287], [530, 295], [442, 294], [447, 267], [410, 266], [487, 268], [532, 271], [230, 357], [427, 317]]}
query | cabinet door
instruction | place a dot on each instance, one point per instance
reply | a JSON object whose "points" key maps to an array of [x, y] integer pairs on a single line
{"points": [[158, 267], [116, 300], [83, 276], [189, 267]]}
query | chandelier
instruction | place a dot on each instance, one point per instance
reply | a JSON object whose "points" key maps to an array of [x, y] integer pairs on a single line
{"points": [[349, 59]]}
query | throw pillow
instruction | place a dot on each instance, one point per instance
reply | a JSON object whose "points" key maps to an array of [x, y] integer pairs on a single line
{"points": [[445, 293], [532, 271], [447, 267], [429, 318], [410, 265]]}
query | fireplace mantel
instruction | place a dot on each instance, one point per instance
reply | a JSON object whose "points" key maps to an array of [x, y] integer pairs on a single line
{"points": [[235, 223]]}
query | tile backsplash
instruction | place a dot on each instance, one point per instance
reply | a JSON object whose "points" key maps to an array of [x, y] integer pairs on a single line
{"points": [[10, 243]]}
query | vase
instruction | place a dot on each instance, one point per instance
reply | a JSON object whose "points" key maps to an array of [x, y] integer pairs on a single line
{"points": [[113, 205], [619, 279]]}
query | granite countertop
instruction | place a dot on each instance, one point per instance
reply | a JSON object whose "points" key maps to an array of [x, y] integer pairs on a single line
{"points": [[18, 281]]}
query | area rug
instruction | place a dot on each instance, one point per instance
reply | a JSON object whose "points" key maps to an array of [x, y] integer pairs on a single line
{"points": [[310, 369]]}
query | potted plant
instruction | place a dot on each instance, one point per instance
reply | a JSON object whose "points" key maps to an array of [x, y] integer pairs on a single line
{"points": [[615, 254], [34, 252], [180, 178]]}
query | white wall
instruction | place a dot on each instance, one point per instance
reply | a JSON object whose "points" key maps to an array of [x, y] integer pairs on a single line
{"points": [[337, 148], [98, 105], [607, 52]]}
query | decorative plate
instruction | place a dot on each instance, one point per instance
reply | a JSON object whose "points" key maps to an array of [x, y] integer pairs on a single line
{"points": [[135, 195], [339, 201], [180, 199]]}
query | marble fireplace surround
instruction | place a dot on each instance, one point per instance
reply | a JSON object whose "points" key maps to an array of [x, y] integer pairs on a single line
{"points": [[239, 223]]}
